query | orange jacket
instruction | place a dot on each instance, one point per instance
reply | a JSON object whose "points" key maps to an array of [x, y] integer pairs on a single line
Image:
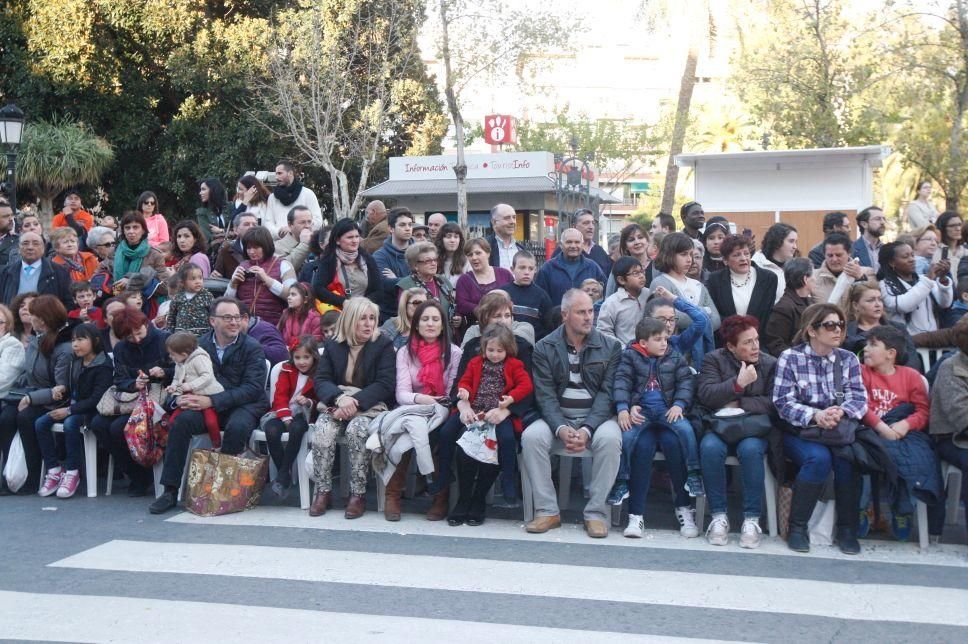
{"points": [[88, 260], [82, 217]]}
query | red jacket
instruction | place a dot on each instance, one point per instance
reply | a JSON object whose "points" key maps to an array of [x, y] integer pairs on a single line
{"points": [[292, 331], [884, 393], [285, 390], [517, 382], [94, 315]]}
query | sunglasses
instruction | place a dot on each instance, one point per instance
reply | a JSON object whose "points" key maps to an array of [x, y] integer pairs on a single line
{"points": [[107, 244], [147, 203], [830, 325]]}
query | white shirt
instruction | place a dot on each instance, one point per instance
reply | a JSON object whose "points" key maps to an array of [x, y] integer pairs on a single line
{"points": [[742, 294], [691, 289], [277, 214], [506, 253]]}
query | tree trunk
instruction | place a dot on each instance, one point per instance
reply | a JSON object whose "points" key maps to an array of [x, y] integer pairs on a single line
{"points": [[45, 209], [460, 169], [956, 186], [686, 85]]}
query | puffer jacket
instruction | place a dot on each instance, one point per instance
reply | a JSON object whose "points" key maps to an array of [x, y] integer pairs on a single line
{"points": [[634, 371], [42, 373], [88, 383]]}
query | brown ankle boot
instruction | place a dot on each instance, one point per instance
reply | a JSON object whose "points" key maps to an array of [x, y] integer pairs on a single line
{"points": [[391, 503], [321, 501], [441, 504], [356, 506]]}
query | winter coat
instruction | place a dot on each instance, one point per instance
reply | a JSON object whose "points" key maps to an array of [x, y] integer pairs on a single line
{"points": [[130, 358], [716, 383], [286, 391], [270, 338], [43, 373], [292, 330], [88, 261], [556, 281], [633, 373], [389, 256], [375, 373], [196, 375], [784, 322], [242, 374], [495, 258], [761, 303], [408, 367], [190, 314], [89, 382], [11, 362], [326, 272], [293, 250], [376, 236], [54, 280], [949, 400], [517, 383]]}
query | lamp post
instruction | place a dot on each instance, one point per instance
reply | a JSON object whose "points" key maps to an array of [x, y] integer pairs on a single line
{"points": [[572, 179], [11, 131]]}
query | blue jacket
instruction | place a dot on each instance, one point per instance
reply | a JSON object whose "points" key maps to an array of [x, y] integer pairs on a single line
{"points": [[242, 372], [130, 358], [554, 279], [634, 369], [694, 340], [389, 256], [860, 252], [918, 466]]}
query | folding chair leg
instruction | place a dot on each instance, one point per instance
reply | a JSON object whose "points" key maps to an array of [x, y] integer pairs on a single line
{"points": [[617, 516], [90, 462], [564, 481], [110, 482], [922, 525], [769, 485]]}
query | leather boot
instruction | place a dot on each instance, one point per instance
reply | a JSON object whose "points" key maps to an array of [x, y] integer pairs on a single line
{"points": [[355, 507], [847, 497], [394, 490], [438, 510], [321, 501], [805, 497]]}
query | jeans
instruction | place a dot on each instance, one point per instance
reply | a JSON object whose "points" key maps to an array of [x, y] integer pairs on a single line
{"points": [[750, 453], [236, 425], [682, 429], [816, 461], [641, 459], [73, 442]]}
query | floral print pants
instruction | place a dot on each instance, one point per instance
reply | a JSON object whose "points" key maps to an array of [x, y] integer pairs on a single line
{"points": [[323, 439]]}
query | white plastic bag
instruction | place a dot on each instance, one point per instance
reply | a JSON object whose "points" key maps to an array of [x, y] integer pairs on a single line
{"points": [[821, 524], [479, 442], [15, 471]]}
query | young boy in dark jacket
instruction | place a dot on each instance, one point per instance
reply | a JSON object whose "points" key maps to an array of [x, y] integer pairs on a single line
{"points": [[654, 385]]}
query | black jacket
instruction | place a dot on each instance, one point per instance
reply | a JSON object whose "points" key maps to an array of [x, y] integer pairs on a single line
{"points": [[856, 339], [89, 383], [130, 358], [326, 271], [717, 379], [784, 322], [242, 372], [633, 373], [9, 250], [764, 295], [376, 373], [54, 280], [495, 259]]}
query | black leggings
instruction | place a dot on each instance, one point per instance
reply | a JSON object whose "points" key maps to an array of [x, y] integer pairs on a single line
{"points": [[285, 456], [474, 479]]}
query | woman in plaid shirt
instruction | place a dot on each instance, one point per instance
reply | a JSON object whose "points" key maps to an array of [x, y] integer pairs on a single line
{"points": [[805, 393]]}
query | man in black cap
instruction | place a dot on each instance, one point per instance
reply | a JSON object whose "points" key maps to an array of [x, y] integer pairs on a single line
{"points": [[693, 219]]}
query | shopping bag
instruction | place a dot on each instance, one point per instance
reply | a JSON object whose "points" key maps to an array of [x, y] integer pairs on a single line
{"points": [[15, 471], [222, 483], [479, 442], [821, 523], [145, 438]]}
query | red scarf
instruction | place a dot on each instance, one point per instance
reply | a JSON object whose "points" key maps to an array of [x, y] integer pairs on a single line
{"points": [[431, 374]]}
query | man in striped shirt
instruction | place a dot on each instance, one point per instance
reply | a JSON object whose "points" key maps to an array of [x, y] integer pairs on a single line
{"points": [[574, 369]]}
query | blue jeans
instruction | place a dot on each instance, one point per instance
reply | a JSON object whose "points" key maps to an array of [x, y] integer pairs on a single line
{"points": [[683, 431], [650, 438], [74, 444], [815, 461], [750, 453]]}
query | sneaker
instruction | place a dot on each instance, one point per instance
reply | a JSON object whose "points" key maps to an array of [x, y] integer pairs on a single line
{"points": [[901, 526], [694, 485], [51, 481], [687, 522], [280, 489], [620, 492], [636, 526], [749, 536], [68, 484], [864, 524], [717, 534]]}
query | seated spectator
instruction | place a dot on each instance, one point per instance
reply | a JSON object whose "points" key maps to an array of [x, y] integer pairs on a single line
{"points": [[594, 289], [30, 223], [73, 215], [345, 270], [262, 279], [422, 260], [134, 255], [295, 245], [531, 303], [452, 260], [872, 225], [8, 236], [107, 221], [674, 260], [157, 224], [898, 411], [482, 279], [784, 320], [716, 230], [34, 273], [85, 310], [189, 247], [111, 308], [738, 376], [79, 264], [11, 354], [696, 270], [252, 196], [327, 324], [496, 308], [574, 370], [865, 311], [909, 298], [300, 317], [397, 328], [356, 379], [22, 324], [390, 259], [744, 288], [375, 227], [90, 373], [952, 244], [241, 370], [950, 317], [653, 391], [102, 241], [621, 311], [949, 400], [212, 216], [778, 247], [268, 336], [634, 242], [838, 272], [569, 269], [818, 385], [189, 309], [230, 253]]}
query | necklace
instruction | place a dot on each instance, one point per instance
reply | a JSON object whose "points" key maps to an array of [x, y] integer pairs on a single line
{"points": [[749, 276]]}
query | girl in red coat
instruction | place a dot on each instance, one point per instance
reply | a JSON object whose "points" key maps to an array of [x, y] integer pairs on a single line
{"points": [[492, 382], [300, 317], [293, 407]]}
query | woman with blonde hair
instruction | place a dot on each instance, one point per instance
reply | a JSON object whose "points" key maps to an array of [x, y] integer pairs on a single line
{"points": [[865, 311], [397, 329], [356, 379]]}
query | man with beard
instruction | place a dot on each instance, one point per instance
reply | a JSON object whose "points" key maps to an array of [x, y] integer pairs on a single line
{"points": [[8, 238], [693, 219], [872, 224], [288, 193]]}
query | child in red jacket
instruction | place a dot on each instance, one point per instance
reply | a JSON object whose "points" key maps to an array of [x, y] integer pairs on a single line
{"points": [[492, 382], [293, 406], [898, 409]]}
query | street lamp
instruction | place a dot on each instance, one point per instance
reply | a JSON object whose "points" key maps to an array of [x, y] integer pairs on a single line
{"points": [[11, 131]]}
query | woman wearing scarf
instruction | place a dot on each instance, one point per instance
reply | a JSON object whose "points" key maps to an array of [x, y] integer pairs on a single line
{"points": [[345, 270], [80, 264], [423, 261], [134, 255]]}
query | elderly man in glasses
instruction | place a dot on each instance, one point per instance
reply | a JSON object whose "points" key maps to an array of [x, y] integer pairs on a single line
{"points": [[240, 367]]}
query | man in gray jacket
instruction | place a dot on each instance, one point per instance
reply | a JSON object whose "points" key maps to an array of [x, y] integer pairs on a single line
{"points": [[574, 369]]}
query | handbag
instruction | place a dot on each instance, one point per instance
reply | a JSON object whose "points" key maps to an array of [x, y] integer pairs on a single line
{"points": [[15, 471], [479, 442], [119, 403], [846, 429], [733, 429], [223, 483], [145, 438]]}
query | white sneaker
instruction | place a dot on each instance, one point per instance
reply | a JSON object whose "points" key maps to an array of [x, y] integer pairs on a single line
{"points": [[636, 526], [687, 522], [750, 533], [717, 534]]}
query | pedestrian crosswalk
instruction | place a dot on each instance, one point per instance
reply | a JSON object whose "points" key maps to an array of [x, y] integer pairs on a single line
{"points": [[275, 574]]}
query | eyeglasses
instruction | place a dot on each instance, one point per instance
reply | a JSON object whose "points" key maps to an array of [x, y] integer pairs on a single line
{"points": [[954, 225], [147, 203], [109, 244], [228, 318], [635, 273], [429, 260], [666, 320], [830, 325]]}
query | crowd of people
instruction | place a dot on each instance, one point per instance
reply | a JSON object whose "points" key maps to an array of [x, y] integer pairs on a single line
{"points": [[408, 341]]}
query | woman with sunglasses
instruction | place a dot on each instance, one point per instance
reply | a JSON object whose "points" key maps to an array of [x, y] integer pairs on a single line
{"points": [[157, 224], [818, 385]]}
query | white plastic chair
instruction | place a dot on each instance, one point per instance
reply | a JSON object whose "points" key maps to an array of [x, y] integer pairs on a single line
{"points": [[90, 459], [564, 483], [931, 356]]}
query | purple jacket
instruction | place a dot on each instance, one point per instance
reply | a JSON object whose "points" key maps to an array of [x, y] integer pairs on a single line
{"points": [[270, 338]]}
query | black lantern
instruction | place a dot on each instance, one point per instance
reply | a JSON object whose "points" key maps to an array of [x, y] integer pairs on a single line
{"points": [[11, 132]]}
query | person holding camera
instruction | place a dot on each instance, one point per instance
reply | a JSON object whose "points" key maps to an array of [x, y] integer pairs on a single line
{"points": [[261, 280]]}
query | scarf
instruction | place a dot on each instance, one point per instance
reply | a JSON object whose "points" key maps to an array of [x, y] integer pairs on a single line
{"points": [[350, 258], [127, 259], [73, 266], [431, 374], [288, 194]]}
